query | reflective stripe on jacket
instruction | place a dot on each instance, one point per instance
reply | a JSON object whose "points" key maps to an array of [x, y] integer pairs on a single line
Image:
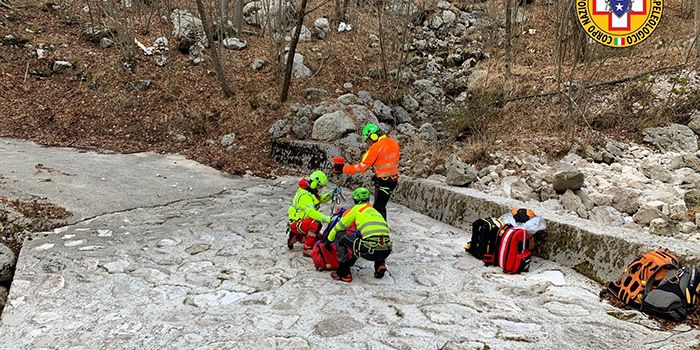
{"points": [[368, 220], [383, 155], [305, 205]]}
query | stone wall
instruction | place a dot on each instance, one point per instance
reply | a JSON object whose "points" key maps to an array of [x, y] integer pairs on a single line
{"points": [[598, 252]]}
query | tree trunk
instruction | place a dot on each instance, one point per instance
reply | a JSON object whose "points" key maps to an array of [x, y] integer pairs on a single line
{"points": [[292, 52], [228, 90], [697, 27], [238, 16], [224, 18], [509, 36]]}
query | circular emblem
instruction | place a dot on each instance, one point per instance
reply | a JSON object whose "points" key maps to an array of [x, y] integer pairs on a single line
{"points": [[619, 23]]}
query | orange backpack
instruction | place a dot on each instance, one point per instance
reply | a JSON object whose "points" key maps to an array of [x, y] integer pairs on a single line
{"points": [[649, 268]]}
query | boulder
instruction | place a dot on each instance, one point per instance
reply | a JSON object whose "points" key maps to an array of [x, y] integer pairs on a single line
{"points": [[606, 216], [672, 138], [382, 111], [406, 129], [694, 123], [8, 260], [572, 202], [185, 28], [304, 35], [660, 227], [656, 172], [364, 97], [402, 116], [586, 200], [363, 115], [332, 126], [428, 133], [61, 66], [624, 200], [322, 25], [280, 129], [302, 128], [692, 198], [521, 191], [314, 94], [228, 140], [347, 99], [234, 44], [410, 103], [458, 172], [688, 160], [645, 215], [564, 177], [268, 13], [299, 70]]}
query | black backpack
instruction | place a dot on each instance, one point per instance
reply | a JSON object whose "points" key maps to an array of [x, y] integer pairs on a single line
{"points": [[484, 238], [675, 296]]}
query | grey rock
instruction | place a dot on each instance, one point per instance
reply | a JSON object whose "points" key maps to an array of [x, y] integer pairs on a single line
{"points": [[61, 66], [363, 115], [3, 296], [228, 140], [433, 68], [272, 13], [586, 200], [327, 107], [448, 17], [606, 216], [624, 200], [333, 327], [694, 123], [302, 128], [688, 160], [552, 204], [374, 73], [322, 25], [521, 191], [304, 35], [458, 172], [364, 97], [258, 64], [209, 143], [185, 27], [548, 193], [454, 59], [656, 172], [347, 99], [692, 198], [161, 45], [406, 129], [565, 177], [347, 86], [280, 128], [180, 137], [382, 111], [437, 178], [686, 227], [572, 202], [332, 126], [645, 215], [106, 43], [660, 227], [314, 94], [436, 22], [410, 103], [162, 61], [8, 260], [234, 44], [672, 138], [426, 86], [402, 116], [299, 70], [427, 132]]}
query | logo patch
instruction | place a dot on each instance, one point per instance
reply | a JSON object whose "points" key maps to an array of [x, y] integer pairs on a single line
{"points": [[619, 23]]}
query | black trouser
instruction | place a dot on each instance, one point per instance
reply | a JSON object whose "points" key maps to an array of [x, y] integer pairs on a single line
{"points": [[383, 188], [353, 241]]}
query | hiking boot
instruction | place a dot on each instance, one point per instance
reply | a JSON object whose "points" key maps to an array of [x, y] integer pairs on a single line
{"points": [[290, 240], [334, 275], [379, 271]]}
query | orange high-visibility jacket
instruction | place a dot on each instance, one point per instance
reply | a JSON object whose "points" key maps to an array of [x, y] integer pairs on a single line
{"points": [[382, 155]]}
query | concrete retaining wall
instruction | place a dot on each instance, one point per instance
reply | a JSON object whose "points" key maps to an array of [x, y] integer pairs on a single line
{"points": [[598, 252]]}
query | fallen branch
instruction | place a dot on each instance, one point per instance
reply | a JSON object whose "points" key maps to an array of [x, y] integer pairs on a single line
{"points": [[586, 87]]}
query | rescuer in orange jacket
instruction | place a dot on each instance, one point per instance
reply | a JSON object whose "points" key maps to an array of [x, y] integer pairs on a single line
{"points": [[383, 157]]}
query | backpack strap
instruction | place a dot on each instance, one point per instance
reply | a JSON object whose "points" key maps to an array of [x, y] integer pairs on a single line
{"points": [[650, 281]]}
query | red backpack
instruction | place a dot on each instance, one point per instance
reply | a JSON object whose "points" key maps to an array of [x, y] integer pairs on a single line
{"points": [[513, 252], [324, 258]]}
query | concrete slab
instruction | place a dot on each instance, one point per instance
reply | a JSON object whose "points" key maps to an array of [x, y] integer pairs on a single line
{"points": [[215, 273], [89, 184]]}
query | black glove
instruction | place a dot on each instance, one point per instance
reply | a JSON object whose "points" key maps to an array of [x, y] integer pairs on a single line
{"points": [[338, 168]]}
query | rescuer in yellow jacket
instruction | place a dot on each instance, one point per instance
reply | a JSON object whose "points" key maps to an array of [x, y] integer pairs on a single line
{"points": [[371, 240], [305, 219]]}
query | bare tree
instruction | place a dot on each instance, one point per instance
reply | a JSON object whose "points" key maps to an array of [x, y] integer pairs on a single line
{"points": [[228, 90], [238, 16], [509, 36], [292, 51]]}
